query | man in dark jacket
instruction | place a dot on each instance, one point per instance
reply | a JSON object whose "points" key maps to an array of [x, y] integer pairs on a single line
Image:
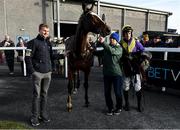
{"points": [[9, 54], [38, 59], [157, 42]]}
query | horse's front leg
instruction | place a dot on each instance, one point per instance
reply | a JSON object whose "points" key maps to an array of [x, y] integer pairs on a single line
{"points": [[86, 85], [70, 88], [76, 82]]}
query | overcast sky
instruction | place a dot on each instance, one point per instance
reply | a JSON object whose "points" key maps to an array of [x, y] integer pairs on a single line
{"points": [[163, 5]]}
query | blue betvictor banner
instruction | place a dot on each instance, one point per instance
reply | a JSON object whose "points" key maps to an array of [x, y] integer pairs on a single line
{"points": [[164, 73]]}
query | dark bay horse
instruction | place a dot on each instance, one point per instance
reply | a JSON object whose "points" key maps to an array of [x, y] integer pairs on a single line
{"points": [[79, 53]]}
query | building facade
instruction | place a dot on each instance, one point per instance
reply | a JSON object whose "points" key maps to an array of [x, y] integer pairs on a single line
{"points": [[22, 17]]}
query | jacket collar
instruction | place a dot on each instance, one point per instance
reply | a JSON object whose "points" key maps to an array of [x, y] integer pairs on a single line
{"points": [[39, 37], [128, 41]]}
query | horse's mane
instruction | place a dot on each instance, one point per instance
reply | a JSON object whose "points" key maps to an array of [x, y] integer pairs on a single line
{"points": [[81, 36], [78, 42]]}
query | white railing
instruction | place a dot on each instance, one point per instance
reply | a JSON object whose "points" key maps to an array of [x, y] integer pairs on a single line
{"points": [[151, 49], [24, 63], [165, 50], [154, 49]]}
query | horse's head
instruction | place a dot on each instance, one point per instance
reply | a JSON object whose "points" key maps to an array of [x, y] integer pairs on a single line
{"points": [[88, 22], [91, 22]]}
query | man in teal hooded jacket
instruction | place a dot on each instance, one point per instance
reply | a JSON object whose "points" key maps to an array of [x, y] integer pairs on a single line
{"points": [[112, 73]]}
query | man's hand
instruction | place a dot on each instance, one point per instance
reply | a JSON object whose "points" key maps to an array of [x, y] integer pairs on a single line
{"points": [[6, 44]]}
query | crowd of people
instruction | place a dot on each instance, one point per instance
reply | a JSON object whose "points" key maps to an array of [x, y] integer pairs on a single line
{"points": [[119, 56], [121, 69], [120, 59], [159, 41], [58, 65], [145, 40], [10, 54], [10, 57]]}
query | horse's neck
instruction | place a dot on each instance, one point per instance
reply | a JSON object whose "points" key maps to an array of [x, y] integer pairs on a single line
{"points": [[81, 43], [70, 43]]}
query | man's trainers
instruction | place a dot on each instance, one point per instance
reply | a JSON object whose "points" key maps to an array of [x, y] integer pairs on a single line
{"points": [[117, 111], [34, 122], [44, 119], [109, 113]]}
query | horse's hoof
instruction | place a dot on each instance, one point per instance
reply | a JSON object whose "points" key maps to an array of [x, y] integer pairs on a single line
{"points": [[69, 109]]}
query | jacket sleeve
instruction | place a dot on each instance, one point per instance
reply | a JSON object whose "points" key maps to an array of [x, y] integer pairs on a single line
{"points": [[116, 50], [28, 56], [12, 44], [51, 52], [2, 44], [139, 46]]}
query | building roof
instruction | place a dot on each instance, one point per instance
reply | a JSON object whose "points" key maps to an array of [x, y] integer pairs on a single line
{"points": [[115, 5]]}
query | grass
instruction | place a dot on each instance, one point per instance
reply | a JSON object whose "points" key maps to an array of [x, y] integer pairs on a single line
{"points": [[13, 125]]}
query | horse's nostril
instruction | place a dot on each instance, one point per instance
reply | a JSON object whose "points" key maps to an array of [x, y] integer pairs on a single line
{"points": [[108, 30]]}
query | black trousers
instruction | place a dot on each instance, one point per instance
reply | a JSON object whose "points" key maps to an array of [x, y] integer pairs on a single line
{"points": [[10, 63], [116, 83]]}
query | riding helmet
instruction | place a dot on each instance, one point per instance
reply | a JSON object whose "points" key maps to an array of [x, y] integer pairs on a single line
{"points": [[127, 28]]}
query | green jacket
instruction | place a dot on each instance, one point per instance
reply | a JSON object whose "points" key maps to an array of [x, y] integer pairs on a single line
{"points": [[112, 55]]}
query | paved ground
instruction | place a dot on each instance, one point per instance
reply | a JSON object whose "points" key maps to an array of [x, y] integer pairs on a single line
{"points": [[162, 110]]}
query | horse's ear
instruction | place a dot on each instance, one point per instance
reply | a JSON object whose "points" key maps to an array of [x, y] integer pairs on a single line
{"points": [[87, 5], [103, 17]]}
